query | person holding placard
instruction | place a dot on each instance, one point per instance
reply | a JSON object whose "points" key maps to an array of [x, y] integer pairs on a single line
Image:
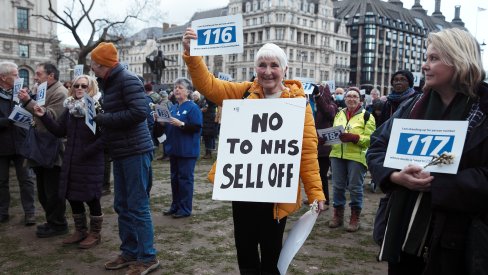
{"points": [[260, 224], [324, 118], [437, 223], [11, 138], [183, 147], [348, 159], [82, 170], [47, 176]]}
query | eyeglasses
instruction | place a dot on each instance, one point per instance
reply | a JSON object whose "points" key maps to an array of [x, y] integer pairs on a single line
{"points": [[401, 80], [77, 86]]}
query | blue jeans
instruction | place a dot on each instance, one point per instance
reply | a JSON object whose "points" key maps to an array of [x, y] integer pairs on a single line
{"points": [[131, 202], [182, 179], [347, 174]]}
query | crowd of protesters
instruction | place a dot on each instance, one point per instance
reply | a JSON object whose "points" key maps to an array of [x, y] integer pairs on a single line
{"points": [[78, 159]]}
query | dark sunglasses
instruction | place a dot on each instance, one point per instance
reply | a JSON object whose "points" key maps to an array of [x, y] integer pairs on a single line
{"points": [[83, 86]]}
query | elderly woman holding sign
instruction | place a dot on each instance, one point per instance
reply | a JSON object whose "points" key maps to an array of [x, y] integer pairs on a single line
{"points": [[82, 170], [183, 147], [438, 223], [257, 223], [348, 159]]}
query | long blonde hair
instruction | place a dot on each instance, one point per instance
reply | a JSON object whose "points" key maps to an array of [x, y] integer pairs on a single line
{"points": [[459, 49], [92, 85]]}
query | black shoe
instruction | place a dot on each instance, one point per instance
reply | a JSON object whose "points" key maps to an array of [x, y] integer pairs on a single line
{"points": [[168, 212], [42, 227], [30, 219], [179, 216], [51, 232], [4, 218]]}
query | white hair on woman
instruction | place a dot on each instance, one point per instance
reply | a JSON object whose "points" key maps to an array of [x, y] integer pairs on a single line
{"points": [[270, 50]]}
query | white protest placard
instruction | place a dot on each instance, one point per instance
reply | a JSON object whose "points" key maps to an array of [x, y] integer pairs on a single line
{"points": [[217, 35], [416, 79], [78, 70], [162, 113], [331, 84], [331, 134], [296, 237], [260, 148], [307, 84], [17, 87], [90, 113], [21, 117], [416, 141], [41, 94], [368, 99], [224, 76]]}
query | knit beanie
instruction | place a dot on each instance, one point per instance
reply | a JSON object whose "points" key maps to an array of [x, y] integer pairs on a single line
{"points": [[406, 74], [105, 54]]}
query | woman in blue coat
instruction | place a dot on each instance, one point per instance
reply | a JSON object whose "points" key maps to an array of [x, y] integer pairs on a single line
{"points": [[82, 174], [183, 147]]}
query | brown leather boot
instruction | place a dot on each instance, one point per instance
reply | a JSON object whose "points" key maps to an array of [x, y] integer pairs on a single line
{"points": [[355, 221], [94, 236], [80, 229], [338, 218]]}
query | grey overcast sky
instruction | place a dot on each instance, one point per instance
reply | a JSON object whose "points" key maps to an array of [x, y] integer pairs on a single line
{"points": [[180, 11]]}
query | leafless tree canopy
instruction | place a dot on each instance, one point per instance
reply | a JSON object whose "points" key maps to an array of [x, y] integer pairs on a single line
{"points": [[80, 14]]}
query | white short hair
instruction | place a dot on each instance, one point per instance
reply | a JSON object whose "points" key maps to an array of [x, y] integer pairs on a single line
{"points": [[272, 50]]}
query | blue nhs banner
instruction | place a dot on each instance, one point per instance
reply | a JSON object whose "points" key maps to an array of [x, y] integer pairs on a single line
{"points": [[214, 36], [424, 145]]}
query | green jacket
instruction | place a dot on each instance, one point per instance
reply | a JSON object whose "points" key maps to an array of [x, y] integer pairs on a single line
{"points": [[355, 125]]}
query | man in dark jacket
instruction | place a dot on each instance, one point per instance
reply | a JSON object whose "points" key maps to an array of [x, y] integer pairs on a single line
{"points": [[126, 135], [11, 138]]}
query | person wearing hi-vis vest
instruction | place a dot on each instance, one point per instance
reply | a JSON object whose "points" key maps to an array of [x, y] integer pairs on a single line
{"points": [[348, 159], [259, 224]]}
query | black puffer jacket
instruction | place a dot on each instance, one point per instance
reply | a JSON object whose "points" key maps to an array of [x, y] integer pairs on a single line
{"points": [[125, 131], [11, 136]]}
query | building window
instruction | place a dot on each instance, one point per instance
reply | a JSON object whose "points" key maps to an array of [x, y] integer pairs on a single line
{"points": [[24, 50], [280, 33], [23, 73], [22, 19]]}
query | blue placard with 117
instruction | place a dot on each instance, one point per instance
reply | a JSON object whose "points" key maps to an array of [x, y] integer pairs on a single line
{"points": [[424, 145], [214, 36]]}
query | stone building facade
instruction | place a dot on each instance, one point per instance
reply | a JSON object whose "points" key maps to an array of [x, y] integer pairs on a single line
{"points": [[25, 39]]}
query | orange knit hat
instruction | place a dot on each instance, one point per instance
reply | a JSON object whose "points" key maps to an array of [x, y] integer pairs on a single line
{"points": [[105, 54]]}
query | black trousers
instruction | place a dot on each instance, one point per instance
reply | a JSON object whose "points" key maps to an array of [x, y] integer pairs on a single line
{"points": [[48, 194], [324, 164], [409, 265], [78, 207], [254, 225]]}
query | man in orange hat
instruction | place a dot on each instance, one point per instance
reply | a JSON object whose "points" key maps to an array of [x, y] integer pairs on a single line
{"points": [[127, 138]]}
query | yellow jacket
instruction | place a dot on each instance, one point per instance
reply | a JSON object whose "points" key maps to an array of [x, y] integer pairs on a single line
{"points": [[217, 90]]}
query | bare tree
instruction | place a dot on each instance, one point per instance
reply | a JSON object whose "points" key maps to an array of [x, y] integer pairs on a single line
{"points": [[79, 15]]}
